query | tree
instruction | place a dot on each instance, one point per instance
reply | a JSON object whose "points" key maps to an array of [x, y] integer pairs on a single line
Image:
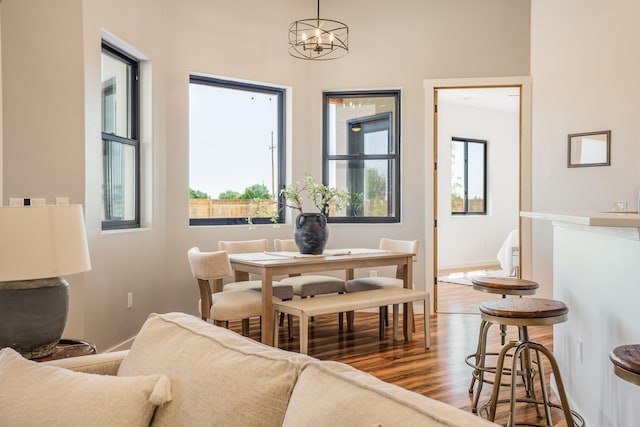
{"points": [[256, 191], [376, 185], [197, 194], [229, 195]]}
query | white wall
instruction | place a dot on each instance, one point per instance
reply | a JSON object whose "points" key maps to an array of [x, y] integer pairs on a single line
{"points": [[585, 71], [473, 240], [585, 78], [245, 40]]}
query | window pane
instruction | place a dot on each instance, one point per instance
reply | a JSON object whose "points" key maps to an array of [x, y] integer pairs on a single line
{"points": [[370, 183], [376, 142], [119, 164], [468, 176], [457, 176], [116, 97], [476, 186], [234, 149], [348, 114]]}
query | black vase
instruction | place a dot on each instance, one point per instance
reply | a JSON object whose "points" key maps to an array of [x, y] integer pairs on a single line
{"points": [[311, 233]]}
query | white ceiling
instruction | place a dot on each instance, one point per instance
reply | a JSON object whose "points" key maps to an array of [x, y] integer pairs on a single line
{"points": [[500, 98]]}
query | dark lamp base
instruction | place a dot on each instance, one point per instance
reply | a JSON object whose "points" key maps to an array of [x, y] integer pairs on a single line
{"points": [[33, 314]]}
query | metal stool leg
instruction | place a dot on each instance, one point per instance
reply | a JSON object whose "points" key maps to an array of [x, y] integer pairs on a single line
{"points": [[480, 358], [493, 403]]}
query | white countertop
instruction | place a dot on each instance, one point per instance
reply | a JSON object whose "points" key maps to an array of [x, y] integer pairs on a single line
{"points": [[594, 219]]}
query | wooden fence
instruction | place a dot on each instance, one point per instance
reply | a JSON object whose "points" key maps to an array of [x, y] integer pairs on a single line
{"points": [[220, 208]]}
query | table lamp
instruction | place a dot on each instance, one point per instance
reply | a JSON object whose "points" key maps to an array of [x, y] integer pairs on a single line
{"points": [[38, 245]]}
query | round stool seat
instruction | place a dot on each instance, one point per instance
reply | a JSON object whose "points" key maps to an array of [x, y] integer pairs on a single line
{"points": [[626, 362], [524, 311], [504, 285]]}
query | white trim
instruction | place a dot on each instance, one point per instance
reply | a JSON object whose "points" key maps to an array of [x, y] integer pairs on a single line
{"points": [[121, 44]]}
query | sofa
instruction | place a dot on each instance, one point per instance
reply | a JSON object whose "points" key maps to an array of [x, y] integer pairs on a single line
{"points": [[182, 371]]}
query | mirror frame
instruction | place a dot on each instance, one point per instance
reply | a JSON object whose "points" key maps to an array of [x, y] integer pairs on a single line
{"points": [[576, 138]]}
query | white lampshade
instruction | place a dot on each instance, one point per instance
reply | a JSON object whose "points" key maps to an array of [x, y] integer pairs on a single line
{"points": [[38, 242]]}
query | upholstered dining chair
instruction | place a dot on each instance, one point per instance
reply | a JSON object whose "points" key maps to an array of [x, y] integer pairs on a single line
{"points": [[221, 307], [243, 281], [369, 283], [309, 285]]}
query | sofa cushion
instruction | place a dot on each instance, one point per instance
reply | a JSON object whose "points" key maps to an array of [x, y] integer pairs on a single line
{"points": [[33, 394], [218, 377], [334, 394]]}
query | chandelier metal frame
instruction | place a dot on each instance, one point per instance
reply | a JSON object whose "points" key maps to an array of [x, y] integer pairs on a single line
{"points": [[318, 39]]}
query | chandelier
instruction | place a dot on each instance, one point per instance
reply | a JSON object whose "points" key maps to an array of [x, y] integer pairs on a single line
{"points": [[318, 39]]}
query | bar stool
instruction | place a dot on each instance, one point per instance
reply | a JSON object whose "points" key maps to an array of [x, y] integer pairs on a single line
{"points": [[525, 312], [494, 285], [626, 362]]}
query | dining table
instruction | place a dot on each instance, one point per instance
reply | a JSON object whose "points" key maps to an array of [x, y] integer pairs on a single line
{"points": [[269, 264]]}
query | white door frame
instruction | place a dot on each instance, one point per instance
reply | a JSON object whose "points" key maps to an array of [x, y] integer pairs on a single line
{"points": [[431, 146]]}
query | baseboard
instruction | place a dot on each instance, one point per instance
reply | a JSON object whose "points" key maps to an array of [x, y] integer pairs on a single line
{"points": [[572, 403], [125, 345], [448, 269]]}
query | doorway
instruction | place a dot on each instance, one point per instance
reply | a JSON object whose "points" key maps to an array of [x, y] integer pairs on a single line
{"points": [[471, 226]]}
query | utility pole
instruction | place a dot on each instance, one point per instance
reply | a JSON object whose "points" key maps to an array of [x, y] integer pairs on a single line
{"points": [[273, 168]]}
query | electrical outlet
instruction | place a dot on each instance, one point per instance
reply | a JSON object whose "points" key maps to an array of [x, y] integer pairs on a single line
{"points": [[39, 201], [579, 350], [62, 201], [14, 201], [130, 300], [373, 273]]}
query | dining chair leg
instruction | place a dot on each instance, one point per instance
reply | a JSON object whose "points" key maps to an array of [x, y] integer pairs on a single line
{"points": [[290, 326], [395, 321], [245, 327]]}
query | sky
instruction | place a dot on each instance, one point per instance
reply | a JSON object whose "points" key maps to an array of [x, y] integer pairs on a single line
{"points": [[230, 138]]}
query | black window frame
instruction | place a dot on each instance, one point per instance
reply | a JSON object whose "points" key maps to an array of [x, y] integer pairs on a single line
{"points": [[465, 198], [280, 94], [134, 139], [394, 154]]}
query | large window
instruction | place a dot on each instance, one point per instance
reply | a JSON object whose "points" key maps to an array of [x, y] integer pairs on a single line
{"points": [[468, 176], [361, 152], [120, 139], [237, 153]]}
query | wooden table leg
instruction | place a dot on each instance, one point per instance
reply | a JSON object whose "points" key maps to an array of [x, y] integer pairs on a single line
{"points": [[276, 326], [407, 312], [304, 334], [348, 275], [267, 307]]}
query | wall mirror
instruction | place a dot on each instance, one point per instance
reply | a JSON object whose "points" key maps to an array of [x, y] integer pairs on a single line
{"points": [[589, 149]]}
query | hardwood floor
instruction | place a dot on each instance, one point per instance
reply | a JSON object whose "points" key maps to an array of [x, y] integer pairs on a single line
{"points": [[439, 372]]}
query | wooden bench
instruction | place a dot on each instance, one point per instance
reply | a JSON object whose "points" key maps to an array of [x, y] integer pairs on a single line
{"points": [[308, 307]]}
